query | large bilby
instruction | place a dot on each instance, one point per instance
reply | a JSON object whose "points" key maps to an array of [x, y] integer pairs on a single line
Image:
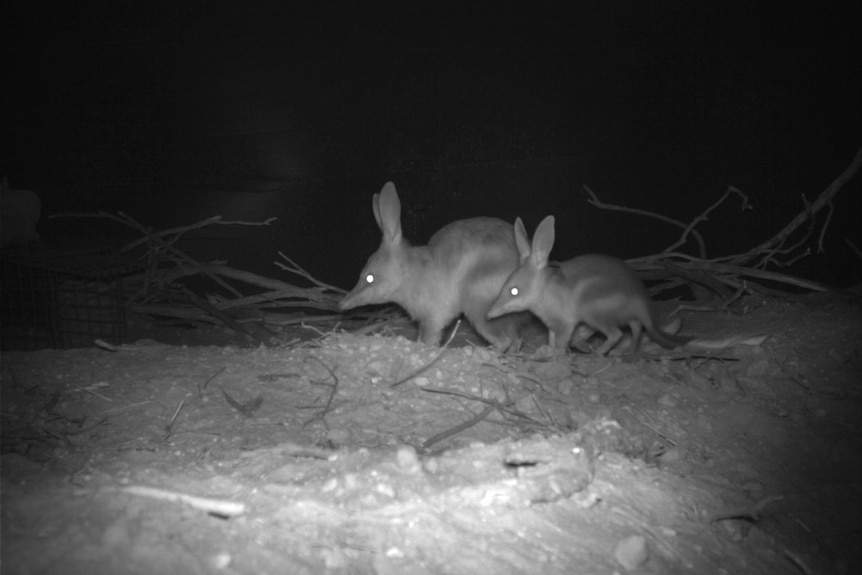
{"points": [[596, 291], [461, 270]]}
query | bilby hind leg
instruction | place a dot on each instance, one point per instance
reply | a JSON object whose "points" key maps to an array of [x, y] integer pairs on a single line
{"points": [[613, 335], [501, 332], [637, 327], [580, 337]]}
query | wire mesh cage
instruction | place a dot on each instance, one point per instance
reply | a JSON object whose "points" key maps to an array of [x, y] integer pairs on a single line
{"points": [[60, 298]]}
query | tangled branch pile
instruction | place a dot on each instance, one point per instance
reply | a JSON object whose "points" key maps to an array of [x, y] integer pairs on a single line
{"points": [[158, 292]]}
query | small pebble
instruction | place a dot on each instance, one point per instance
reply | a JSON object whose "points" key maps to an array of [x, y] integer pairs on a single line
{"points": [[553, 370], [338, 436], [432, 465], [632, 552], [220, 560], [386, 489], [407, 459], [671, 455], [667, 401]]}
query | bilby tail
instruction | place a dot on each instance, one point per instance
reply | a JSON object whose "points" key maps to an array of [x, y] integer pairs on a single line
{"points": [[667, 340]]}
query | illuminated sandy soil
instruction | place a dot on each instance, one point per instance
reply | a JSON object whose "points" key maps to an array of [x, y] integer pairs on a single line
{"points": [[311, 457]]}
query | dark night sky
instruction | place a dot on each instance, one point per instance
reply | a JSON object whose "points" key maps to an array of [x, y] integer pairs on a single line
{"points": [[175, 115]]}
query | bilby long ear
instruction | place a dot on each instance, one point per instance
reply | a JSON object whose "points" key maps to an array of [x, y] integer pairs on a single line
{"points": [[522, 242], [543, 242], [387, 212]]}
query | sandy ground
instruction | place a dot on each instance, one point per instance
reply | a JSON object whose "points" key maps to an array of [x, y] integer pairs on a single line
{"points": [[331, 454]]}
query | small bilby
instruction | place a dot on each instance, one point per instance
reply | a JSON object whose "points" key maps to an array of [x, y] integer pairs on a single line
{"points": [[460, 271], [598, 292]]}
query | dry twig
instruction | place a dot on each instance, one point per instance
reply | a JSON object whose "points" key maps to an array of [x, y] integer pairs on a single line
{"points": [[213, 506], [434, 359], [751, 513], [458, 428], [330, 398], [166, 264], [778, 251], [594, 199]]}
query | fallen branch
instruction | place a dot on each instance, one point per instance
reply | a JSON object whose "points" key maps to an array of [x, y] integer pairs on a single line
{"points": [[212, 506], [594, 200], [824, 200], [689, 229], [294, 268], [725, 270], [157, 243], [724, 273], [166, 264], [458, 428]]}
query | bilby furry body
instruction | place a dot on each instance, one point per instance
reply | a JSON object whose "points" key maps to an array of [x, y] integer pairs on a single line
{"points": [[597, 291], [461, 270]]}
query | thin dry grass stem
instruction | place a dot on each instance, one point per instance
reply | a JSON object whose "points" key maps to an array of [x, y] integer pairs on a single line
{"points": [[507, 408], [321, 416], [434, 359], [170, 425], [458, 428]]}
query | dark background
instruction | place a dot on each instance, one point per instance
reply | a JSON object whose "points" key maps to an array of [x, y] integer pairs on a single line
{"points": [[173, 112]]}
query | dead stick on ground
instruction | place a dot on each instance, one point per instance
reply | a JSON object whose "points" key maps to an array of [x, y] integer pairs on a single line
{"points": [[202, 386], [214, 506], [504, 407], [329, 400], [169, 427], [752, 513], [434, 359], [458, 428]]}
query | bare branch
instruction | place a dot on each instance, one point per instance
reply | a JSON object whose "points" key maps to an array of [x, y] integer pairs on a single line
{"points": [[594, 200], [746, 205], [824, 200]]}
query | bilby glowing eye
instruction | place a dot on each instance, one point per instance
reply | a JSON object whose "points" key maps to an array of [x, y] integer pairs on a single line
{"points": [[514, 291], [369, 279]]}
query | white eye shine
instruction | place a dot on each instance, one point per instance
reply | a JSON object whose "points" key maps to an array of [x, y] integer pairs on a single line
{"points": [[369, 279], [514, 291]]}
